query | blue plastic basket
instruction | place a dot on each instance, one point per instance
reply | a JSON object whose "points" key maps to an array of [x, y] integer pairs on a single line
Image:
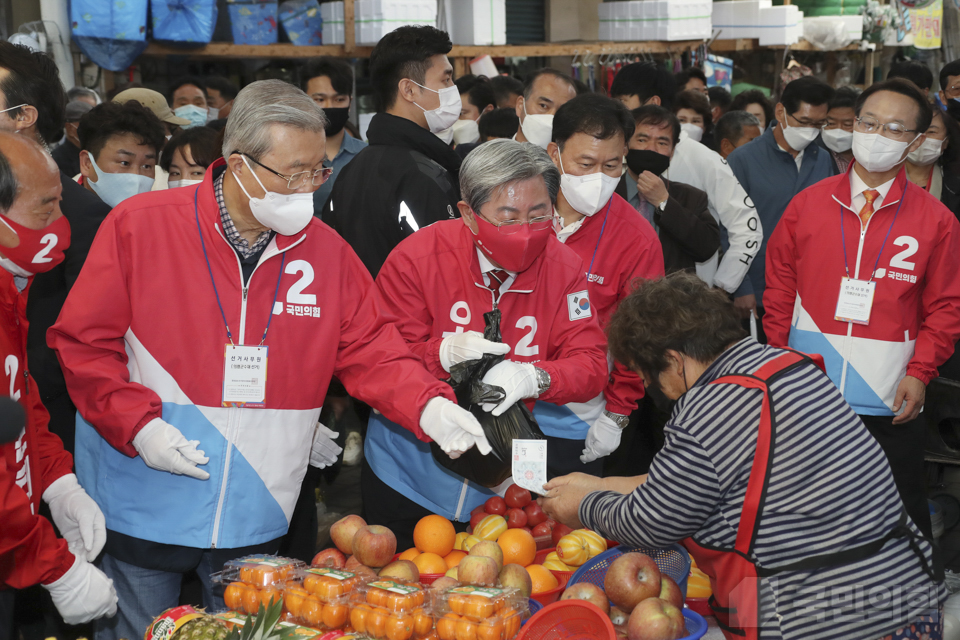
{"points": [[534, 608], [696, 625], [673, 561]]}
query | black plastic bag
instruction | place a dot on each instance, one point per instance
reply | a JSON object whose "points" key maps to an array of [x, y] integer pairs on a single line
{"points": [[466, 379]]}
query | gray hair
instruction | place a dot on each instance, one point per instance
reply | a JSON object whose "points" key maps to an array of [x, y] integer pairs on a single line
{"points": [[730, 126], [264, 103], [495, 164]]}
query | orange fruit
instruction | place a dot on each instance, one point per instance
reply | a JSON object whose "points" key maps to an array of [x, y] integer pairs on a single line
{"points": [[409, 554], [293, 599], [358, 618], [518, 547], [376, 623], [335, 615], [251, 600], [233, 595], [490, 630], [543, 579], [466, 629], [422, 623], [434, 534], [447, 626], [478, 607], [269, 595], [511, 623], [430, 563], [399, 627], [311, 611], [453, 558]]}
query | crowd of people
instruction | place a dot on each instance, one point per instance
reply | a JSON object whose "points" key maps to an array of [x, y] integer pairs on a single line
{"points": [[761, 288]]}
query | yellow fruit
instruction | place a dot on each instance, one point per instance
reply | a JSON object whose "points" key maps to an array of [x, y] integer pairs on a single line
{"points": [[490, 528], [555, 564], [458, 541], [552, 556], [698, 584], [573, 550], [595, 542], [468, 543]]}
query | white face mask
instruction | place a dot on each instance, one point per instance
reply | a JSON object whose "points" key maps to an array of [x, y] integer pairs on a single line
{"points": [[799, 138], [285, 213], [446, 135], [837, 140], [447, 113], [927, 153], [212, 114], [176, 184], [537, 128], [114, 188], [587, 194], [694, 131], [877, 153], [466, 131]]}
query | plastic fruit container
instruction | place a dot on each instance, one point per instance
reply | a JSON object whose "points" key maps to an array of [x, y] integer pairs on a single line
{"points": [[260, 571], [478, 603], [330, 584], [391, 610], [504, 625], [234, 619]]}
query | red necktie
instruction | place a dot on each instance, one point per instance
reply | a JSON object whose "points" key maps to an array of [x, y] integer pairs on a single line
{"points": [[499, 275], [867, 211]]}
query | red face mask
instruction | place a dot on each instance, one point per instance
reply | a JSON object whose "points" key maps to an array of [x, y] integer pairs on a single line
{"points": [[39, 250], [514, 252]]}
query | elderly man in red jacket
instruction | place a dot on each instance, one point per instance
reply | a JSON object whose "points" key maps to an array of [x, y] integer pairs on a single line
{"points": [[33, 463]]}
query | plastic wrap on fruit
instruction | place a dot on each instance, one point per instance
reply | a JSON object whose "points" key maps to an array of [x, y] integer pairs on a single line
{"points": [[466, 379]]}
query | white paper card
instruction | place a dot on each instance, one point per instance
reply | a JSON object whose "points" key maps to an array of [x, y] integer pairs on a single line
{"points": [[530, 464], [244, 376], [855, 300]]}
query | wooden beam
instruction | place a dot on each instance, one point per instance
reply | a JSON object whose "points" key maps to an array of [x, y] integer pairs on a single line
{"points": [[737, 44], [461, 66], [227, 50], [349, 31]]}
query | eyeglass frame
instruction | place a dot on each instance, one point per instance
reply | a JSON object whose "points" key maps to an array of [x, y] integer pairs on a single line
{"points": [[515, 224], [953, 91], [812, 125], [324, 172], [884, 127]]}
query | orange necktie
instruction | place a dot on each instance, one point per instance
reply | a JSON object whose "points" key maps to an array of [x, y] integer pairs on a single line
{"points": [[867, 211]]}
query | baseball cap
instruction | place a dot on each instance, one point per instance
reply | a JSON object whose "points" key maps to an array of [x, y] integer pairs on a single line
{"points": [[152, 100], [76, 109]]}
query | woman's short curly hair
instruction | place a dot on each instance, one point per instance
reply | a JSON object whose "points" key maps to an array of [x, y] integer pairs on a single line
{"points": [[677, 312]]}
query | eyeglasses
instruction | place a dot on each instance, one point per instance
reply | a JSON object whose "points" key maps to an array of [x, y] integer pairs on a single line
{"points": [[952, 91], [299, 179], [819, 124], [509, 227], [894, 129]]}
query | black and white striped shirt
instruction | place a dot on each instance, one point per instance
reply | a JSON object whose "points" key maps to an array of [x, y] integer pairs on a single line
{"points": [[830, 489]]}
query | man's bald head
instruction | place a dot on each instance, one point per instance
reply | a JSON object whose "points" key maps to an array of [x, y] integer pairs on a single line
{"points": [[29, 186]]}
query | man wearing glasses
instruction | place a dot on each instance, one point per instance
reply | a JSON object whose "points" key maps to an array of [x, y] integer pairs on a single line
{"points": [[198, 344], [780, 164], [950, 88], [863, 270], [438, 284]]}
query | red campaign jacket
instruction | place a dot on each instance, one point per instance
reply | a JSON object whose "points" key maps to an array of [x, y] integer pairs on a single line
{"points": [[628, 249], [30, 551], [431, 287], [915, 318]]}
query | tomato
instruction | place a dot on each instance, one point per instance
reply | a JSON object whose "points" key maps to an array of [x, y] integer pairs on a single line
{"points": [[558, 532], [516, 518], [535, 514], [476, 518], [542, 529], [399, 627], [495, 506], [517, 497]]}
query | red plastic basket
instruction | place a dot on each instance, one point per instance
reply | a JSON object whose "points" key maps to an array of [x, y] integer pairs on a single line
{"points": [[549, 597], [568, 620]]}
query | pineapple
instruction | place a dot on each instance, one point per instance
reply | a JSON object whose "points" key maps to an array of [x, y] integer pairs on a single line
{"points": [[204, 628], [263, 627]]}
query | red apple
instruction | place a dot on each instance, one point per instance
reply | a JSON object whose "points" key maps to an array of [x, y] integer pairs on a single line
{"points": [[670, 591], [374, 545], [495, 506], [540, 530], [344, 529], [654, 619], [403, 569], [632, 578], [332, 558], [550, 521], [476, 518], [444, 582], [589, 592], [517, 497], [352, 564], [516, 518], [558, 532], [619, 618], [478, 570], [535, 514]]}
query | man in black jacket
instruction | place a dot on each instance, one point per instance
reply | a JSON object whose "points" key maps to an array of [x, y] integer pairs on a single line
{"points": [[407, 178], [687, 231]]}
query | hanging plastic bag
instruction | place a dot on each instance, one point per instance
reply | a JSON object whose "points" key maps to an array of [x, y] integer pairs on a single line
{"points": [[302, 22], [111, 33], [179, 21], [517, 422], [253, 22]]}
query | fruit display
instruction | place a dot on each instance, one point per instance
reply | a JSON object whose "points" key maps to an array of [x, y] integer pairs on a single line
{"points": [[698, 583], [254, 580], [186, 623], [518, 510], [479, 612], [320, 598], [577, 547], [391, 610]]}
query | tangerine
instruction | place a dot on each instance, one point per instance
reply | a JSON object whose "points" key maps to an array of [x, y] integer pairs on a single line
{"points": [[376, 623], [434, 534], [453, 558], [335, 615], [542, 579], [409, 554], [293, 599], [251, 600], [358, 618], [269, 595], [466, 629], [399, 627], [447, 626], [430, 563], [490, 630], [511, 623], [518, 547], [311, 610], [233, 595], [422, 623]]}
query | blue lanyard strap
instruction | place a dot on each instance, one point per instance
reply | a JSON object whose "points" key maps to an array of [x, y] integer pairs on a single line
{"points": [[276, 292], [843, 238], [602, 228]]}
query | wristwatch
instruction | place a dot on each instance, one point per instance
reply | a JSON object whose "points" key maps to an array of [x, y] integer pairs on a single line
{"points": [[621, 420], [543, 381]]}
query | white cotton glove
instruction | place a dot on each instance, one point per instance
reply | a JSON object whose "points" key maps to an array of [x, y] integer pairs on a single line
{"points": [[517, 379], [453, 428], [324, 451], [602, 439], [83, 593], [77, 516], [470, 345], [163, 447]]}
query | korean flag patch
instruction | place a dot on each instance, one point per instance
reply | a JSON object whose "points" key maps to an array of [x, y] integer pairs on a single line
{"points": [[578, 306]]}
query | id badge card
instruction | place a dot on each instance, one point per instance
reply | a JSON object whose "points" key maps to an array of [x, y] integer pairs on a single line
{"points": [[855, 301], [530, 464], [245, 376]]}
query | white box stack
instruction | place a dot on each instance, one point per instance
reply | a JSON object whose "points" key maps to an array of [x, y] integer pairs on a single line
{"points": [[781, 25], [758, 19], [638, 20], [477, 22], [854, 27], [373, 19]]}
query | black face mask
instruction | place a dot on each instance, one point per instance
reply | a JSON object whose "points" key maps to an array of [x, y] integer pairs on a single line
{"points": [[336, 118], [640, 160]]}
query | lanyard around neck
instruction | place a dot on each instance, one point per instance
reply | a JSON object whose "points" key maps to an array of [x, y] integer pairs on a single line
{"points": [[602, 229], [843, 237]]}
